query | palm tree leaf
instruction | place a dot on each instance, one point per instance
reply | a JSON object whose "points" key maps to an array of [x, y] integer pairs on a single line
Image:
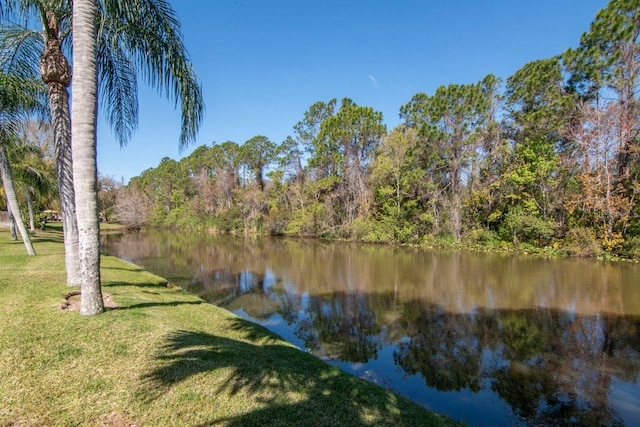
{"points": [[19, 98], [20, 50], [29, 167], [151, 32], [134, 36], [118, 82]]}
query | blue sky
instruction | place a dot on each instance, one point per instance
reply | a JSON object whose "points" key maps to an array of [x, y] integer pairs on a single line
{"points": [[262, 63]]}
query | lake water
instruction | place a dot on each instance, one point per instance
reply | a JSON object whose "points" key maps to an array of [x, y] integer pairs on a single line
{"points": [[487, 339]]}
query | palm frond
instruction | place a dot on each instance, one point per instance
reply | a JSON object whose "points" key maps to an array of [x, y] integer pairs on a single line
{"points": [[20, 50], [135, 36], [10, 8], [33, 173], [118, 81], [150, 31], [27, 10], [19, 99], [28, 165]]}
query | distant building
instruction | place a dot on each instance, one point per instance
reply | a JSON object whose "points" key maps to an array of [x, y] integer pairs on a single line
{"points": [[52, 215]]}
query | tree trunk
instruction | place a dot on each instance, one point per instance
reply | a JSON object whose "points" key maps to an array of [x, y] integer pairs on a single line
{"points": [[32, 222], [12, 224], [61, 119], [259, 179], [56, 73], [12, 199], [84, 118], [454, 171], [12, 227]]}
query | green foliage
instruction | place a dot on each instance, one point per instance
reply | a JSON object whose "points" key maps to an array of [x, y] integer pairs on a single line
{"points": [[41, 220], [529, 180], [582, 242], [157, 216], [258, 153], [229, 220], [107, 193], [311, 221], [631, 247], [538, 100], [182, 216], [608, 51], [472, 163], [520, 226], [482, 237], [384, 230], [451, 125], [145, 38]]}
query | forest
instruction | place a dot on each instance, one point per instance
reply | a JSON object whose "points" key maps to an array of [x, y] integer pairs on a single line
{"points": [[548, 159]]}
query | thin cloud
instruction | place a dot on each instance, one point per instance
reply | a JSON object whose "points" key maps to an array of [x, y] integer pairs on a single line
{"points": [[373, 80]]}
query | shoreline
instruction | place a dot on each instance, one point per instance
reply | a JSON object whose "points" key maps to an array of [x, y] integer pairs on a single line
{"points": [[161, 356]]}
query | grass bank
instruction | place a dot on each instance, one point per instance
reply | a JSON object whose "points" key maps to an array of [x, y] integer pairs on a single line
{"points": [[161, 357]]}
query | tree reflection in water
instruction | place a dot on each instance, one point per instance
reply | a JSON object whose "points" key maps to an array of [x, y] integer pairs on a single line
{"points": [[549, 366], [553, 340]]}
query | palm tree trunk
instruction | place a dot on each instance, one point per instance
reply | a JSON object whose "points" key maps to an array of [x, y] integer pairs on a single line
{"points": [[85, 173], [12, 223], [56, 73], [32, 222], [61, 119], [12, 199], [12, 227]]}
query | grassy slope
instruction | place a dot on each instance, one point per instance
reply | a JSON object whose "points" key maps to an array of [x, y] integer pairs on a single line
{"points": [[163, 357]]}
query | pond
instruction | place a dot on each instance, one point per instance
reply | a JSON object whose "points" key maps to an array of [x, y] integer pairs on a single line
{"points": [[487, 339]]}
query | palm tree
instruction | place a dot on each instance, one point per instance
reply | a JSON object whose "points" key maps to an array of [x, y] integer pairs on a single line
{"points": [[35, 53], [145, 32], [85, 171], [18, 97], [32, 173], [12, 198], [136, 37]]}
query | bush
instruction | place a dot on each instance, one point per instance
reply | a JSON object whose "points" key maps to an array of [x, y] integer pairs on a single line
{"points": [[307, 222], [373, 230], [229, 221], [631, 247], [41, 220], [482, 237], [612, 242], [520, 226], [582, 242]]}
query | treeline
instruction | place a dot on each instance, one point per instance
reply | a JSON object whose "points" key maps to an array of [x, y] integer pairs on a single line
{"points": [[548, 158]]}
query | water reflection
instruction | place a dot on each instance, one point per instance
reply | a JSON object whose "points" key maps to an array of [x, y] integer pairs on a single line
{"points": [[488, 339]]}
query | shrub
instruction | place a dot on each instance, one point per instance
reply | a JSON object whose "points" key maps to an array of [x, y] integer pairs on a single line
{"points": [[229, 220], [481, 236], [582, 242], [520, 226], [631, 247], [373, 230]]}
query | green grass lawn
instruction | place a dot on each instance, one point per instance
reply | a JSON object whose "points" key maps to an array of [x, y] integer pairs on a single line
{"points": [[162, 357]]}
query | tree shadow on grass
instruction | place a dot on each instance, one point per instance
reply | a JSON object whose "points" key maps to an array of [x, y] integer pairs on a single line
{"points": [[157, 304], [290, 387], [155, 285], [132, 269], [37, 240]]}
